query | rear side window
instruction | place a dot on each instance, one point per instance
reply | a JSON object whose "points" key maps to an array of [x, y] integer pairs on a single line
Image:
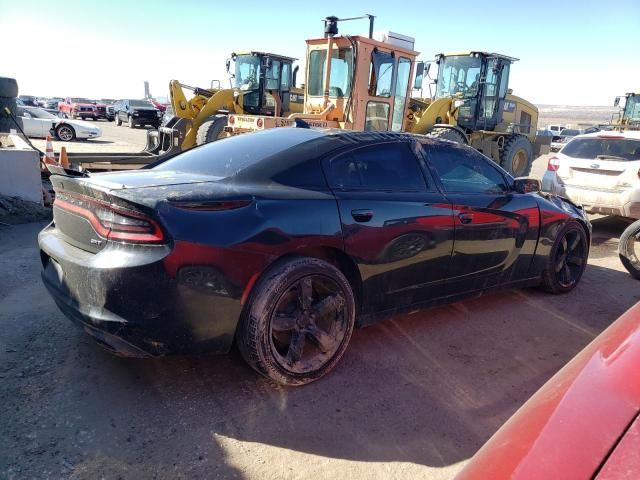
{"points": [[620, 149], [227, 157], [391, 166], [463, 170]]}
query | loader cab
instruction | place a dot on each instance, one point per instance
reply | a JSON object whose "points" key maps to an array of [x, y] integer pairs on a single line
{"points": [[263, 81], [362, 83], [631, 112], [477, 82]]}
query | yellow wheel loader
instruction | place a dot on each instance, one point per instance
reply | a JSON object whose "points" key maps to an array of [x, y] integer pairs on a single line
{"points": [[262, 84], [351, 82], [474, 105], [629, 116]]}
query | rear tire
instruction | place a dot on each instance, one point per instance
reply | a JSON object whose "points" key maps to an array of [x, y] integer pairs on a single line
{"points": [[448, 134], [298, 321], [516, 156], [629, 241], [567, 259], [211, 129]]}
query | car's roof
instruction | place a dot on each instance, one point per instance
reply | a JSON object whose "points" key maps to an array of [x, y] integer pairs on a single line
{"points": [[633, 134]]}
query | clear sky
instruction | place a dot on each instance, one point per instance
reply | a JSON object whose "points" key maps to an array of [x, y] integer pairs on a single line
{"points": [[572, 52]]}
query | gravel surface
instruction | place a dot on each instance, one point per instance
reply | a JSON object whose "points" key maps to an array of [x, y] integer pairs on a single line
{"points": [[414, 397]]}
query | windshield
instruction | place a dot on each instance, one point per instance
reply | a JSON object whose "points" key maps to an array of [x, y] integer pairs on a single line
{"points": [[140, 103], [340, 78], [247, 75], [632, 108], [621, 149], [459, 74], [81, 100], [39, 113]]}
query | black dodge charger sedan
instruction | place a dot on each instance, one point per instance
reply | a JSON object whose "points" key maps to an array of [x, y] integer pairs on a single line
{"points": [[284, 240]]}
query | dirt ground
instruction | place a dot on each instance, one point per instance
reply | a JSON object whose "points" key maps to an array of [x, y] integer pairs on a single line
{"points": [[414, 397]]}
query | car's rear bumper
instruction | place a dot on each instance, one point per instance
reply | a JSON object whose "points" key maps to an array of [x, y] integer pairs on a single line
{"points": [[624, 203], [129, 301]]}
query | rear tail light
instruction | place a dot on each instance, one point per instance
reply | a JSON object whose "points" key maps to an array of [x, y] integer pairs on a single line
{"points": [[111, 221], [554, 164], [231, 120]]}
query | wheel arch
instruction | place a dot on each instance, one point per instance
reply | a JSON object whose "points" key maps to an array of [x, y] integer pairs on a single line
{"points": [[336, 257]]}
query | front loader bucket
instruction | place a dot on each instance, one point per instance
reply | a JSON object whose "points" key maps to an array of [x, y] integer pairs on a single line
{"points": [[169, 138]]}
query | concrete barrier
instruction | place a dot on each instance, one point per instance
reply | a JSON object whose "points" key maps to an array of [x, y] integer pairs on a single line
{"points": [[19, 169]]}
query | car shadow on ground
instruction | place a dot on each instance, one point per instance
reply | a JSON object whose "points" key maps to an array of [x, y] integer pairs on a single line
{"points": [[427, 388]]}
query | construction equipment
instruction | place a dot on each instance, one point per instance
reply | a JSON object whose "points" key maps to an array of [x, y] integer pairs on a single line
{"points": [[629, 116], [261, 84], [352, 82], [473, 104], [364, 84]]}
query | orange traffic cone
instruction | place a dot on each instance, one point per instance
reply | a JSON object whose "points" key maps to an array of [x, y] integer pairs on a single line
{"points": [[49, 156], [63, 159]]}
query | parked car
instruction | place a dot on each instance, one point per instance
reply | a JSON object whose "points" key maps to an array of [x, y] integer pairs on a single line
{"points": [[600, 171], [583, 424], [160, 106], [28, 100], [556, 129], [558, 141], [543, 132], [108, 103], [279, 238], [72, 107], [52, 103], [136, 113], [38, 123]]}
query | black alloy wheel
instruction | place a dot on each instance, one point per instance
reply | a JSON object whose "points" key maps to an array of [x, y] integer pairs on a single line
{"points": [[567, 260]]}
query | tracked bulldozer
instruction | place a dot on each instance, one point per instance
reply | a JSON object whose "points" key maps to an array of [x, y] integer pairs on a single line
{"points": [[261, 84], [473, 104]]}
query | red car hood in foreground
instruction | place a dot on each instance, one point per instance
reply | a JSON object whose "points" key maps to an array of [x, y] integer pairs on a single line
{"points": [[582, 424]]}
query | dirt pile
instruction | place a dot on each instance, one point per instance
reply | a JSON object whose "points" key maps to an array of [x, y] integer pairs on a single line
{"points": [[14, 210]]}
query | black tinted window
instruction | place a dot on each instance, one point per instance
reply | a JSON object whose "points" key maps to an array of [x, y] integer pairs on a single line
{"points": [[390, 166], [463, 170], [603, 149], [227, 157]]}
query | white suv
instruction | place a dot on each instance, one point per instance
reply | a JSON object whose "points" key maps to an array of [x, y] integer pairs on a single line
{"points": [[599, 170]]}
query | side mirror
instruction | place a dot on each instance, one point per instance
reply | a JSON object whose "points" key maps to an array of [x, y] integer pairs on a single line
{"points": [[526, 185], [417, 84], [228, 64]]}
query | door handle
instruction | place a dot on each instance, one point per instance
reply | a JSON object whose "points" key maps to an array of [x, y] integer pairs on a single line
{"points": [[362, 215], [465, 218]]}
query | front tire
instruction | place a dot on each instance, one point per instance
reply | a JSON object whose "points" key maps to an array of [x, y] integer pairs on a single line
{"points": [[211, 129], [298, 321], [450, 134], [117, 120], [627, 249], [516, 156], [567, 259], [130, 122], [65, 132]]}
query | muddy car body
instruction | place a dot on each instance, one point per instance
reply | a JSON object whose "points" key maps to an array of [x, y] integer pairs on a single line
{"points": [[187, 255]]}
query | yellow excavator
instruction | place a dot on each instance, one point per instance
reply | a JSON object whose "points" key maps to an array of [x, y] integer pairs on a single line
{"points": [[473, 104], [261, 84], [360, 83]]}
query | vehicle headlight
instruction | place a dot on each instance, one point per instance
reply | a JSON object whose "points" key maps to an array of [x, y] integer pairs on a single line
{"points": [[159, 113], [136, 113]]}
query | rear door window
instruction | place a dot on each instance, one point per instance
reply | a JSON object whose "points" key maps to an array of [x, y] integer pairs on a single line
{"points": [[391, 166], [463, 170]]}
